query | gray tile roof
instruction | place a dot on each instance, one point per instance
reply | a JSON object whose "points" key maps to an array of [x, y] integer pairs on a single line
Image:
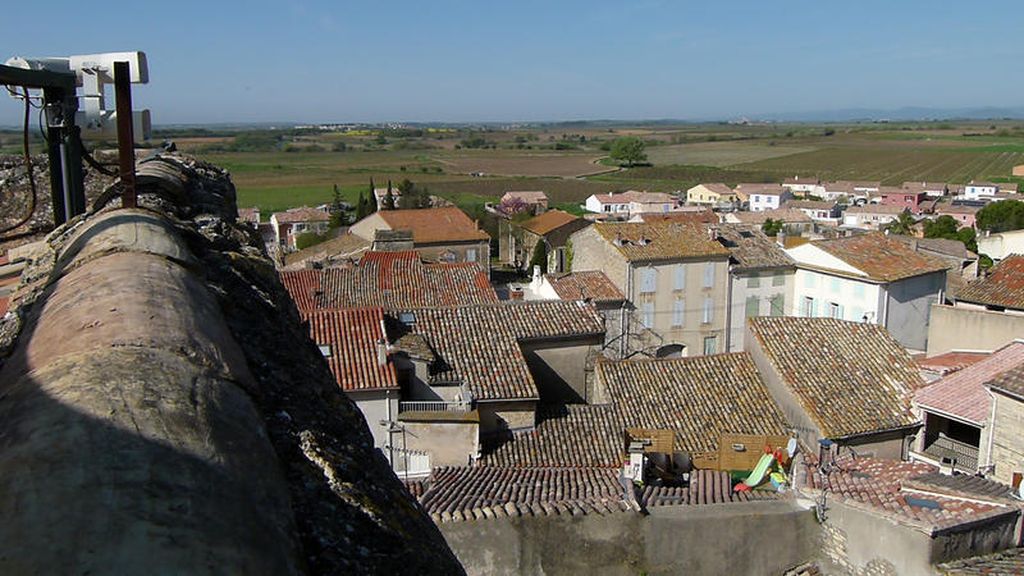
{"points": [[479, 346], [851, 378], [1005, 563], [751, 249], [698, 398]]}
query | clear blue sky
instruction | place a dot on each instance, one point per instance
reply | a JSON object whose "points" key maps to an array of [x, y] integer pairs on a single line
{"points": [[546, 60]]}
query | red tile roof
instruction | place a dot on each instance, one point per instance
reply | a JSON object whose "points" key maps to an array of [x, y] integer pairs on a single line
{"points": [[585, 285], [950, 362], [353, 335], [876, 485], [249, 215], [1003, 287], [854, 379], [548, 222], [883, 259], [435, 225], [391, 280], [454, 494], [962, 394]]}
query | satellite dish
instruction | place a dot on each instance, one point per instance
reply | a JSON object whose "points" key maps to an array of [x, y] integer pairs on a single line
{"points": [[791, 447]]}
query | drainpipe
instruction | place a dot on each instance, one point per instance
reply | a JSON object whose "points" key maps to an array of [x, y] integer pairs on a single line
{"points": [[989, 427], [625, 318], [391, 448], [728, 310], [885, 308]]}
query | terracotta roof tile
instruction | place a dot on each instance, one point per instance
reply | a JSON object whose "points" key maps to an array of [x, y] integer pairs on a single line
{"points": [[479, 346], [585, 285], [950, 362], [643, 242], [705, 216], [1003, 287], [699, 398], [353, 335], [877, 485], [549, 221], [787, 215], [771, 189], [435, 225], [391, 280], [880, 257], [528, 196], [453, 494], [851, 378], [887, 209], [962, 394]]}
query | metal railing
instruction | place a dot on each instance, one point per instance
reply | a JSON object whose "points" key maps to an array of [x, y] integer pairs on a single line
{"points": [[965, 455], [433, 406]]}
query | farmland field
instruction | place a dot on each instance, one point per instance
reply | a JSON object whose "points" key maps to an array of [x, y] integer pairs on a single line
{"points": [[519, 163], [719, 153], [894, 165], [303, 168]]}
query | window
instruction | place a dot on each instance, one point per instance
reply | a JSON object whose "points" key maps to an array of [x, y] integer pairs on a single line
{"points": [[709, 311], [648, 280], [835, 311], [835, 285], [753, 306], [754, 281], [807, 307], [680, 277], [778, 280], [710, 345], [677, 313], [407, 318], [647, 314], [325, 350], [709, 274], [757, 198], [471, 255], [778, 305]]}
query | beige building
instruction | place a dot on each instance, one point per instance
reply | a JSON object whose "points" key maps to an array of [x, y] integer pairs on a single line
{"points": [[713, 194], [675, 280], [1018, 170], [1006, 451]]}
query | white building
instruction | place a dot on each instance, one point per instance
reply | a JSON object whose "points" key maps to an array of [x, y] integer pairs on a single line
{"points": [[869, 278], [804, 186], [1000, 245], [630, 203], [768, 198], [871, 216]]}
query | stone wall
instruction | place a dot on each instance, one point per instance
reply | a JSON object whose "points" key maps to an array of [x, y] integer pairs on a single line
{"points": [[1007, 437], [957, 328], [747, 538]]}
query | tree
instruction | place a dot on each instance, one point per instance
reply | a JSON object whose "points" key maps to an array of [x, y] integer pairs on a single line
{"points": [[371, 200], [337, 209], [947, 227], [361, 207], [1001, 216], [411, 196], [628, 150], [772, 227], [540, 257], [902, 224], [389, 198]]}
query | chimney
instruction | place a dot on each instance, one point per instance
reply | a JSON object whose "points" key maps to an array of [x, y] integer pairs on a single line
{"points": [[536, 276], [618, 239], [382, 352], [712, 233]]}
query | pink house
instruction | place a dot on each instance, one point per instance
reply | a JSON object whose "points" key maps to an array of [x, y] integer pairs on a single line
{"points": [[964, 215], [909, 199]]}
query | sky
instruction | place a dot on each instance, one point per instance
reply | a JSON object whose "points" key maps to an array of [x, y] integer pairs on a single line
{"points": [[525, 60]]}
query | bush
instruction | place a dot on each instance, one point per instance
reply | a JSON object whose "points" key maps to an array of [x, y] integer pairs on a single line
{"points": [[308, 239]]}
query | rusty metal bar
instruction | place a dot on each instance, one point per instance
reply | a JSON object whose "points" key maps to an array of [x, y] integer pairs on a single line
{"points": [[125, 133]]}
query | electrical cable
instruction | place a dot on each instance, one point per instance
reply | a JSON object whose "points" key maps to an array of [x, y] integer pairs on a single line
{"points": [[94, 163], [28, 164]]}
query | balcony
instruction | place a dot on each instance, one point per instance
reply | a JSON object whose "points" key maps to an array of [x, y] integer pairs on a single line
{"points": [[964, 455], [433, 406]]}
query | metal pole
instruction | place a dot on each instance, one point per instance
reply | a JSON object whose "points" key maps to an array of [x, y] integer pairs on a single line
{"points": [[69, 208], [54, 142], [125, 133]]}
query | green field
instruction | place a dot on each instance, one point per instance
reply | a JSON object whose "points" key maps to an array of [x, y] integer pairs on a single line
{"points": [[302, 169]]}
